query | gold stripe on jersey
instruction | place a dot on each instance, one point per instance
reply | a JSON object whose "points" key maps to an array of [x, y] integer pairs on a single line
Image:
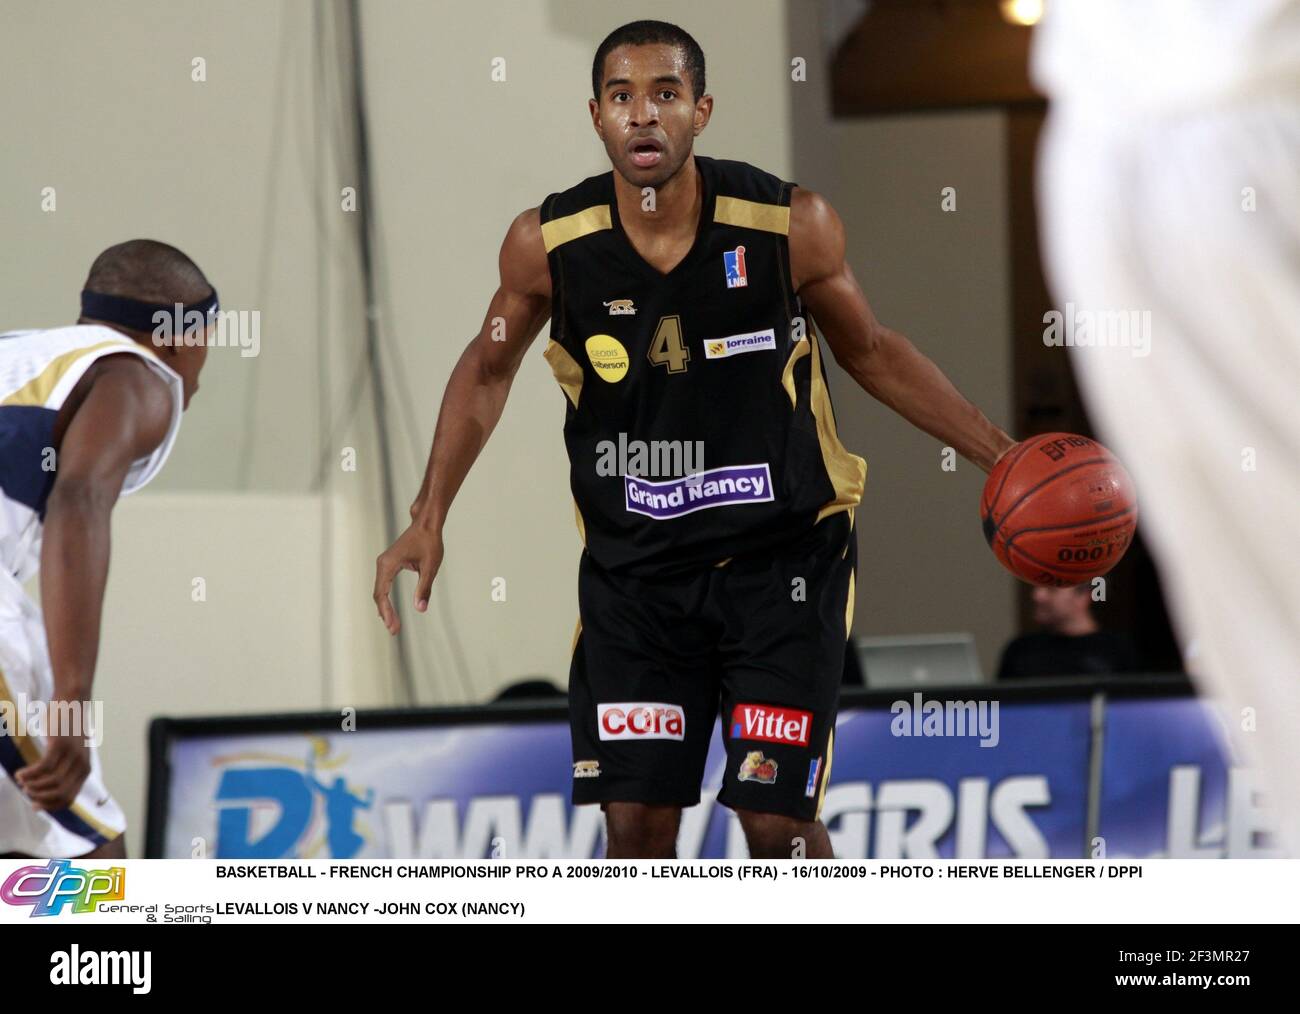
{"points": [[567, 370], [848, 606], [826, 775], [559, 231], [787, 375], [37, 391], [752, 215], [847, 472], [582, 525], [26, 747]]}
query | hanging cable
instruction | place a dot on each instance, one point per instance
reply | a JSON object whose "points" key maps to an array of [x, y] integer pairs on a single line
{"points": [[361, 155]]}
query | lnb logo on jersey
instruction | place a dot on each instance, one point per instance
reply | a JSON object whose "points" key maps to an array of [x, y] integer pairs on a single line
{"points": [[641, 721], [755, 341], [771, 725], [47, 889], [733, 264]]}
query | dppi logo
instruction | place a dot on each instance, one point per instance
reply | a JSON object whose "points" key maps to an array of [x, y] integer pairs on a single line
{"points": [[48, 888], [282, 802]]}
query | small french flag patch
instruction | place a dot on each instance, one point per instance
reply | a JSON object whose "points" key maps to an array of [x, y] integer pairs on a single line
{"points": [[814, 769], [733, 262]]}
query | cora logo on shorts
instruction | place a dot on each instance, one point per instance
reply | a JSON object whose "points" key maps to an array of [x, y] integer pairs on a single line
{"points": [[771, 725], [641, 721], [48, 888]]}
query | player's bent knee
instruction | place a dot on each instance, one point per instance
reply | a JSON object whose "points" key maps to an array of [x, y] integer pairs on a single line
{"points": [[640, 831], [770, 824], [774, 836]]}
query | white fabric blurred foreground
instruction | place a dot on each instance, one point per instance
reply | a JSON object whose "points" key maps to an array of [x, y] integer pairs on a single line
{"points": [[1168, 183]]}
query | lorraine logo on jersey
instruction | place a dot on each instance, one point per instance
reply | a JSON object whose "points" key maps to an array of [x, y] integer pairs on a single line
{"points": [[733, 263], [771, 725], [735, 344]]}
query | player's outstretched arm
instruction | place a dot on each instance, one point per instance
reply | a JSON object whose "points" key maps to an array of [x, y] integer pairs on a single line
{"points": [[123, 417], [883, 362], [471, 406]]}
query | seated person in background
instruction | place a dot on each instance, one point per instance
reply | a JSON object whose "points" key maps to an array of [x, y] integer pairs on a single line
{"points": [[1072, 643]]}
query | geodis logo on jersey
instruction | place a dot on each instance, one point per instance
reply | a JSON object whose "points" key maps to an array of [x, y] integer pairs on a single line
{"points": [[771, 725], [641, 720]]}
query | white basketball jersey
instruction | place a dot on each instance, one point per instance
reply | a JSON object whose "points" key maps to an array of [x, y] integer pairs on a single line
{"points": [[38, 370]]}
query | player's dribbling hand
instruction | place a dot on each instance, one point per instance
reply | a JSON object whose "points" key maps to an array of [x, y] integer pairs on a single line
{"points": [[418, 549], [52, 783]]}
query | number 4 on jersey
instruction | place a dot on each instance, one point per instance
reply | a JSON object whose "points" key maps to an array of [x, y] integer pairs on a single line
{"points": [[667, 347]]}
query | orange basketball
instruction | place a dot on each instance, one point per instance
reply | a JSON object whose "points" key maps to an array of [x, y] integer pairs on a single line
{"points": [[1059, 509]]}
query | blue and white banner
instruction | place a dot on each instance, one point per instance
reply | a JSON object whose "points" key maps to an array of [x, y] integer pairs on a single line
{"points": [[1168, 788], [902, 787]]}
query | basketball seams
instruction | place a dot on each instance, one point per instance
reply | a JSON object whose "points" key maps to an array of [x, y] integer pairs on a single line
{"points": [[1043, 483], [1010, 546], [1006, 472], [1071, 524]]}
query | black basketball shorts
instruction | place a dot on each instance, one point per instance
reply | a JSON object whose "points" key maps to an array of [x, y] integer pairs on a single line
{"points": [[758, 641]]}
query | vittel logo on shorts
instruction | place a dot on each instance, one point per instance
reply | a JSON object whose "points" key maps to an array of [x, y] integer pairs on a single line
{"points": [[641, 721], [771, 725]]}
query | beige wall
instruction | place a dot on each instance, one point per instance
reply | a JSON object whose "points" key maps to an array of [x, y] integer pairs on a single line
{"points": [[458, 157], [238, 642], [942, 278]]}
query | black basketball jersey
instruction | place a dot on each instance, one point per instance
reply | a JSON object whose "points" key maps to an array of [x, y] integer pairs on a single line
{"points": [[699, 425]]}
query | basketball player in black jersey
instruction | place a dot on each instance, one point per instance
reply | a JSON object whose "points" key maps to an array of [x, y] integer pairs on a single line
{"points": [[714, 498]]}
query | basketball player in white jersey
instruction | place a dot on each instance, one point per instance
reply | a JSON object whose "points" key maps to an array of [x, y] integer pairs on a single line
{"points": [[87, 413], [1168, 185]]}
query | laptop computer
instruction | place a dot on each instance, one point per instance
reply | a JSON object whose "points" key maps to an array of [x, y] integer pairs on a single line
{"points": [[918, 660]]}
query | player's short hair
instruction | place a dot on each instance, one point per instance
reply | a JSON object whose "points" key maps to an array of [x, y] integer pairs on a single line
{"points": [[649, 33], [148, 271]]}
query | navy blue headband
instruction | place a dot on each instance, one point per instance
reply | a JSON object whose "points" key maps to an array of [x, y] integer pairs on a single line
{"points": [[139, 316]]}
